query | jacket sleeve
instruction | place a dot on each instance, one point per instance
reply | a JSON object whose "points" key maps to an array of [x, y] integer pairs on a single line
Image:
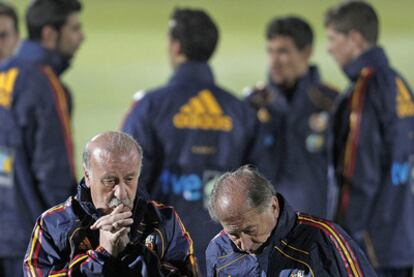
{"points": [[211, 258], [138, 124], [179, 252], [45, 258], [362, 158], [342, 256]]}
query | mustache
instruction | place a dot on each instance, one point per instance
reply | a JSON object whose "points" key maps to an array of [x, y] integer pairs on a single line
{"points": [[115, 202]]}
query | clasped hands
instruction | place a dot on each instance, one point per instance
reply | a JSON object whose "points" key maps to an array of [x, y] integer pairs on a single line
{"points": [[114, 229]]}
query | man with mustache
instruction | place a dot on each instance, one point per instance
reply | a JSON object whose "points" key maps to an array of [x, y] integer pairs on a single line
{"points": [[110, 228]]}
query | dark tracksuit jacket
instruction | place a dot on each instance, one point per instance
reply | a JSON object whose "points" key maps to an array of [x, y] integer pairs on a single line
{"points": [[191, 132], [374, 160], [295, 126], [300, 245], [62, 243], [36, 155]]}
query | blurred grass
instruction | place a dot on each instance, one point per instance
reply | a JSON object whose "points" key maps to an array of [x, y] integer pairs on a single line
{"points": [[125, 50]]}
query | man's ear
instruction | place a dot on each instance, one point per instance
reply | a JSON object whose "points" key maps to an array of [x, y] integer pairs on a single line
{"points": [[275, 205], [357, 39], [87, 176], [49, 37], [175, 47], [307, 52]]}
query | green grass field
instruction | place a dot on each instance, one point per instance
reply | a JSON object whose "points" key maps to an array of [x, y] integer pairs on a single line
{"points": [[125, 50]]}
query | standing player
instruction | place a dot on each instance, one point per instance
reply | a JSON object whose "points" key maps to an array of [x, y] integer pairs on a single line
{"points": [[36, 162], [191, 130], [374, 145], [294, 108]]}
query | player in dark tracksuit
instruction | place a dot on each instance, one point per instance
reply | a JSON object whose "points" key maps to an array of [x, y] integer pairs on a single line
{"points": [[64, 245], [294, 108], [270, 239], [373, 144], [300, 244], [191, 130], [36, 151]]}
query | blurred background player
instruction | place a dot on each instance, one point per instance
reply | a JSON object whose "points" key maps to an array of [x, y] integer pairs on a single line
{"points": [[373, 143], [10, 263], [9, 32], [191, 130], [294, 108], [36, 152]]}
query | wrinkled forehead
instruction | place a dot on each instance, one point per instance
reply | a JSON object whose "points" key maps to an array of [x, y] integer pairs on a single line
{"points": [[102, 157], [240, 220]]}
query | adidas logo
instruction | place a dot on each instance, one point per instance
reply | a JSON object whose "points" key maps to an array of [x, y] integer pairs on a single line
{"points": [[85, 244], [7, 80], [405, 105], [203, 112]]}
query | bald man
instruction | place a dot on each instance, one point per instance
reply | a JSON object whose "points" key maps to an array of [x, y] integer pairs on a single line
{"points": [[262, 236], [110, 228]]}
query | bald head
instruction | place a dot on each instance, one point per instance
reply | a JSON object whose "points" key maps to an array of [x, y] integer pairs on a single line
{"points": [[238, 191], [110, 143], [245, 205]]}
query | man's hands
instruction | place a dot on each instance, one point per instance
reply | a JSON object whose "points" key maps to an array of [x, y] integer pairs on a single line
{"points": [[114, 229]]}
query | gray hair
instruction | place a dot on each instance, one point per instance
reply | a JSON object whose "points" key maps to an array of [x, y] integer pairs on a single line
{"points": [[247, 180], [113, 142]]}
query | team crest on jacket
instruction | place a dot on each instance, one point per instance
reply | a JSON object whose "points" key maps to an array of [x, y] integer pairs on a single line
{"points": [[318, 121], [150, 242], [315, 142], [263, 115], [203, 112]]}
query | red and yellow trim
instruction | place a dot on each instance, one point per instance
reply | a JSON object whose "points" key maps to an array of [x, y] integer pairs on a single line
{"points": [[61, 102], [347, 255], [54, 210], [184, 232], [34, 252], [355, 118], [187, 236]]}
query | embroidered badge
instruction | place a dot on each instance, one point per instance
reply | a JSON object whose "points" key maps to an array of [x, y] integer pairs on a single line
{"points": [[263, 115], [314, 142], [150, 242], [318, 122]]}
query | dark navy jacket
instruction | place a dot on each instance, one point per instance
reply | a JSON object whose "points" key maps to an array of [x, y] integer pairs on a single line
{"points": [[300, 245], [374, 159], [36, 163], [295, 132], [63, 244], [191, 132]]}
